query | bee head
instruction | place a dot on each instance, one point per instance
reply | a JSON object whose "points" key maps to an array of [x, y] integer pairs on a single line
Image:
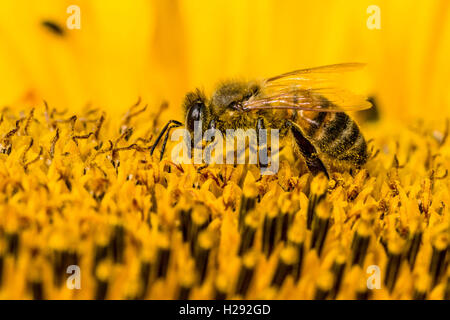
{"points": [[196, 111]]}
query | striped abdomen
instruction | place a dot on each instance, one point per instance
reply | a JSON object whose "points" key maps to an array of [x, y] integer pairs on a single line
{"points": [[335, 134]]}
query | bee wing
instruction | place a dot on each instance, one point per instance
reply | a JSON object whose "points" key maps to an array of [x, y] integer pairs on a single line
{"points": [[305, 89]]}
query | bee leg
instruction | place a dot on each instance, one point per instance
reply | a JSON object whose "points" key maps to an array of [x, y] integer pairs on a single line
{"points": [[204, 166], [315, 165], [163, 147], [262, 145], [171, 124]]}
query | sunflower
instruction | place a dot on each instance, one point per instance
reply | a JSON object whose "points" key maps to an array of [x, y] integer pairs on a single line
{"points": [[82, 190]]}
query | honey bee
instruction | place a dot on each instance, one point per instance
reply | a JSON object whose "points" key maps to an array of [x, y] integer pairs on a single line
{"points": [[306, 106]]}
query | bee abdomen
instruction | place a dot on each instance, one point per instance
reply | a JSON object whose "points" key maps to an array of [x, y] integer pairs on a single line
{"points": [[341, 139], [357, 154], [330, 130]]}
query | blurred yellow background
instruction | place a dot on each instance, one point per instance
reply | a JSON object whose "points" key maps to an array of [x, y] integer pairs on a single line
{"points": [[160, 49]]}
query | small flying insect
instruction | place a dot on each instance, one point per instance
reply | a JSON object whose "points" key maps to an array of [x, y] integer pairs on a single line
{"points": [[306, 106], [53, 27]]}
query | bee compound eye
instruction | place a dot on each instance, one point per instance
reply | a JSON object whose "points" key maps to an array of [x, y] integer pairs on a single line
{"points": [[194, 116]]}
